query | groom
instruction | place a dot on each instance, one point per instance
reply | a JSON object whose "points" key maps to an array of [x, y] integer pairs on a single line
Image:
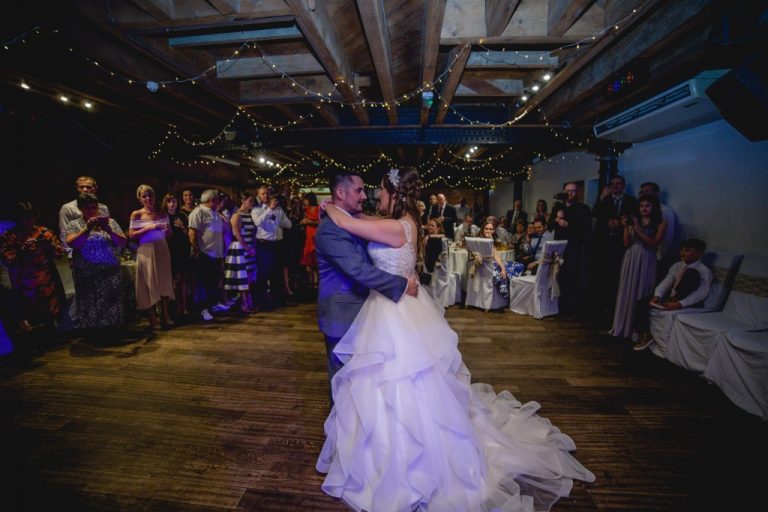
{"points": [[346, 271]]}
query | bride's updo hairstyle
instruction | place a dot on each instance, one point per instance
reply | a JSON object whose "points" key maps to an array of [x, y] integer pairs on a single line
{"points": [[404, 186]]}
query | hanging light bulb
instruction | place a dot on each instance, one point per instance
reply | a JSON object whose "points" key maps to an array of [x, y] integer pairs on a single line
{"points": [[547, 77], [536, 86]]}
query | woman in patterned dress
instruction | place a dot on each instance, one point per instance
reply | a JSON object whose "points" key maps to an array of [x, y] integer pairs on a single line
{"points": [[154, 283], [28, 251], [95, 243], [241, 250]]}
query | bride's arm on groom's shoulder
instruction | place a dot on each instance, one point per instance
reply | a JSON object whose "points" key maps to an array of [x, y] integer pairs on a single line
{"points": [[386, 231]]}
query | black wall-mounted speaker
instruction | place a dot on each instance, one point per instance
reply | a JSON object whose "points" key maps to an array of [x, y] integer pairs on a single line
{"points": [[741, 96]]}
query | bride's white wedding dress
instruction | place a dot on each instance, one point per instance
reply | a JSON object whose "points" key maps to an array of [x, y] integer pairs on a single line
{"points": [[408, 431]]}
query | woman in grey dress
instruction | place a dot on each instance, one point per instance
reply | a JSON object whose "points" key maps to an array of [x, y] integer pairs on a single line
{"points": [[642, 234], [95, 242]]}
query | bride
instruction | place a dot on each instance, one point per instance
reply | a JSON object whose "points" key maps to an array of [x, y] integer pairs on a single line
{"points": [[407, 430]]}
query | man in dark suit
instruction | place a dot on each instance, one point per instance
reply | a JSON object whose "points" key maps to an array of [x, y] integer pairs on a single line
{"points": [[608, 245], [346, 271], [515, 214], [575, 225], [446, 214]]}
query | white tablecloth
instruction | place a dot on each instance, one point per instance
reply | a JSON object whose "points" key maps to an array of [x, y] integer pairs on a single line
{"points": [[458, 262]]}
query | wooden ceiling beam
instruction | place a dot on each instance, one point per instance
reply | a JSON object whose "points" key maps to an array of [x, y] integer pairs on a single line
{"points": [[430, 48], [226, 7], [296, 64], [207, 23], [540, 42], [322, 37], [375, 26], [158, 9], [562, 14], [497, 15], [456, 59], [229, 37]]}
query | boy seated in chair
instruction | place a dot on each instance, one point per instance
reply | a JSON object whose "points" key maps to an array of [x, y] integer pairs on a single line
{"points": [[686, 285]]}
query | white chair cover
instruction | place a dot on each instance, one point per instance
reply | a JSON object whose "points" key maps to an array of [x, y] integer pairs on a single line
{"points": [[694, 337], [538, 295], [662, 321], [481, 292], [445, 285], [739, 366]]}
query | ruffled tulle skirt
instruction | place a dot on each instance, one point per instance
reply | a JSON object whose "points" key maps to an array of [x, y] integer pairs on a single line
{"points": [[408, 431]]}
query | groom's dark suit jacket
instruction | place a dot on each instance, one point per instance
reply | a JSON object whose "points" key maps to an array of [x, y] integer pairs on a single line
{"points": [[346, 275]]}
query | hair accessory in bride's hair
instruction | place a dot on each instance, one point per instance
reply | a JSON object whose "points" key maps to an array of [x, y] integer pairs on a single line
{"points": [[394, 176]]}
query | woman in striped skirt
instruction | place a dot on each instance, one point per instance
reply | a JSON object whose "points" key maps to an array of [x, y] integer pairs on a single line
{"points": [[239, 265]]}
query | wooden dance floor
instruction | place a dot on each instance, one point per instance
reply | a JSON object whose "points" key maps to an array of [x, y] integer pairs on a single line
{"points": [[229, 416]]}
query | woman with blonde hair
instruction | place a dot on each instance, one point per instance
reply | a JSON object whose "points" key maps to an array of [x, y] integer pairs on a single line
{"points": [[154, 283]]}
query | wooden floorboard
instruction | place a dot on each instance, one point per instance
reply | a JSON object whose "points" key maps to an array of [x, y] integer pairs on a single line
{"points": [[229, 416]]}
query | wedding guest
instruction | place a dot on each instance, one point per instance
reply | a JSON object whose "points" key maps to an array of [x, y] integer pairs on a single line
{"points": [[178, 245], [294, 238], [607, 243], [489, 231], [188, 202], [462, 210], [154, 281], [533, 248], [466, 229], [206, 236], [574, 226], [28, 250], [433, 243], [518, 237], [686, 285], [667, 249], [422, 214], [516, 213], [432, 207], [445, 214], [241, 250], [541, 210], [96, 242], [642, 235], [310, 221], [69, 211], [270, 220]]}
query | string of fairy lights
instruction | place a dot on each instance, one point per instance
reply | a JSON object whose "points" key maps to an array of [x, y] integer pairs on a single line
{"points": [[334, 96]]}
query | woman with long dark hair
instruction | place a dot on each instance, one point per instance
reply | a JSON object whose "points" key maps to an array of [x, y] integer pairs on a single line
{"points": [[642, 235]]}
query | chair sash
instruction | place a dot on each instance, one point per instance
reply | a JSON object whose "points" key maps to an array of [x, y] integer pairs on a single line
{"points": [[475, 261], [554, 262]]}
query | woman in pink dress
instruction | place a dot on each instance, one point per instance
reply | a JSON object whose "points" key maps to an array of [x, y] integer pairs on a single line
{"points": [[154, 279]]}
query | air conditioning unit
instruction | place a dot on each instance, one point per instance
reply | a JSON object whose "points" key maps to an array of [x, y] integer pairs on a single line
{"points": [[683, 106]]}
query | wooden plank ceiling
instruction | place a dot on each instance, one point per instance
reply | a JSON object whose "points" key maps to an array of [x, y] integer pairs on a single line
{"points": [[299, 68]]}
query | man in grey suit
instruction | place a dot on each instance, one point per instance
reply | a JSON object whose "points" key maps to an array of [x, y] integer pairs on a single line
{"points": [[346, 271]]}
